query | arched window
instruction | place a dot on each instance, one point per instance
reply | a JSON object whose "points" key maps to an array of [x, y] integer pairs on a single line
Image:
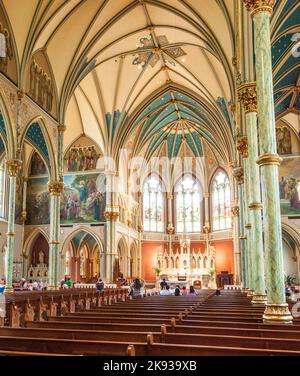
{"points": [[188, 205], [220, 195], [3, 187], [153, 205]]}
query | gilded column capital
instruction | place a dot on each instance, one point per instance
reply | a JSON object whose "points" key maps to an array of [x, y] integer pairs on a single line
{"points": [[61, 128], [238, 174], [55, 187], [111, 215], [25, 179], [247, 96], [24, 216], [170, 196], [206, 195], [257, 6], [140, 228], [206, 229], [269, 159], [242, 146], [13, 166], [235, 210], [248, 225]]}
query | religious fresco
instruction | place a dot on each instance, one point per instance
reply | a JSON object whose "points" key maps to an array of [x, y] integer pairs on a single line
{"points": [[283, 140], [38, 201], [289, 186], [82, 158], [19, 199], [83, 200], [37, 166]]}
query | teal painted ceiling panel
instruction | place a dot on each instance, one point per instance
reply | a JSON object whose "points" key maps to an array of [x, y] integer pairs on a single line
{"points": [[35, 136]]}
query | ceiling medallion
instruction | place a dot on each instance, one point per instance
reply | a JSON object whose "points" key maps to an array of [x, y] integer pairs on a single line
{"points": [[170, 53]]}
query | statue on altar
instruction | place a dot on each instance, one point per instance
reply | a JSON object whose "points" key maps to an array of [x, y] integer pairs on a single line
{"points": [[41, 258]]}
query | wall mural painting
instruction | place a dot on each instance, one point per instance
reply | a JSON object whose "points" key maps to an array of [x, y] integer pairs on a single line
{"points": [[284, 140], [289, 186], [82, 158], [19, 199], [37, 166], [41, 87], [83, 200], [38, 201]]}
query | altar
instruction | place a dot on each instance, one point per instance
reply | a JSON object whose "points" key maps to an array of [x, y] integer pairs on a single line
{"points": [[187, 268]]}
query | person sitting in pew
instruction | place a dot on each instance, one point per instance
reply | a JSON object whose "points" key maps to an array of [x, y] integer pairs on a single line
{"points": [[100, 286], [165, 291], [2, 286], [177, 291], [218, 292], [183, 290], [137, 289], [192, 291]]}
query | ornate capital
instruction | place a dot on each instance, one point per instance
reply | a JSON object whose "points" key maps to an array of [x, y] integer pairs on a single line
{"points": [[269, 159], [235, 210], [206, 229], [170, 229], [257, 6], [55, 187], [111, 215], [170, 196], [238, 174], [13, 166], [61, 128], [206, 195], [242, 146], [247, 96], [140, 228]]}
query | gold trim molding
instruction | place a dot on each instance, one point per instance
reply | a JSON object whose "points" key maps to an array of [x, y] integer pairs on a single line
{"points": [[255, 205], [248, 225], [247, 96], [235, 210], [269, 159], [111, 216]]}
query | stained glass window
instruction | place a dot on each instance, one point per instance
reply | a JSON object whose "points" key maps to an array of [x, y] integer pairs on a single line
{"points": [[3, 187], [188, 205], [153, 205], [221, 217]]}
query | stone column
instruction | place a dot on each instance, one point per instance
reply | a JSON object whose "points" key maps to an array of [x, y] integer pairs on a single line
{"points": [[170, 227], [24, 209], [111, 214], [238, 174], [235, 210], [247, 96], [242, 146], [55, 189], [139, 260], [61, 129], [206, 209], [13, 168], [276, 308]]}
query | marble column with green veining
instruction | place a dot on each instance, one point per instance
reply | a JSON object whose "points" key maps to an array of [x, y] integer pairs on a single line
{"points": [[241, 238], [247, 96], [111, 215], [276, 308], [55, 189], [13, 168]]}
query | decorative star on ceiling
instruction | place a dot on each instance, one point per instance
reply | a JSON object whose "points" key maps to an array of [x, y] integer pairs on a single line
{"points": [[170, 53]]}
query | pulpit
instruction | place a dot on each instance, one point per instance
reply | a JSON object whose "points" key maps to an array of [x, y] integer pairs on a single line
{"points": [[224, 278]]}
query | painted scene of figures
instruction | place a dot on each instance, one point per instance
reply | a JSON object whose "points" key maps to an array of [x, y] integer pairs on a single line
{"points": [[289, 186], [37, 166], [38, 201], [83, 199], [284, 140], [82, 158]]}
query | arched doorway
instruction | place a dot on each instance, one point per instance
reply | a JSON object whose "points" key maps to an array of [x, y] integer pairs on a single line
{"points": [[132, 264], [82, 257], [120, 267], [38, 259]]}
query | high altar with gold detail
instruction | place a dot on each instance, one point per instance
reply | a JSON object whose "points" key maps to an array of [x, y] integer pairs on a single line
{"points": [[187, 268]]}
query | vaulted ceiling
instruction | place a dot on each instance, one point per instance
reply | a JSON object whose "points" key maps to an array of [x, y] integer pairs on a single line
{"points": [[152, 71]]}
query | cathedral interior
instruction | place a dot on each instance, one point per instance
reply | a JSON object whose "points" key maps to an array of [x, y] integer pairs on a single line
{"points": [[152, 139]]}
